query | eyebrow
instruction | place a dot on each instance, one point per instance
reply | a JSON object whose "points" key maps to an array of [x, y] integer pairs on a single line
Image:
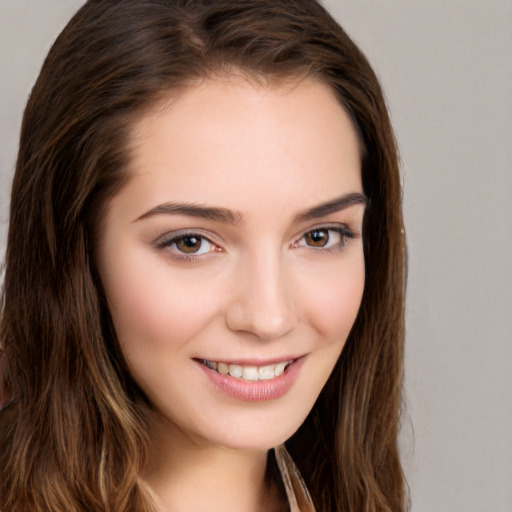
{"points": [[333, 206], [227, 216], [195, 210]]}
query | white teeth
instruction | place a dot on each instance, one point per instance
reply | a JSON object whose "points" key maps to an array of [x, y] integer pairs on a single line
{"points": [[250, 373], [266, 372], [279, 369], [223, 368], [235, 370]]}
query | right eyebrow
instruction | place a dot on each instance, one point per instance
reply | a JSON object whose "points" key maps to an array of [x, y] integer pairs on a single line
{"points": [[195, 210], [333, 206]]}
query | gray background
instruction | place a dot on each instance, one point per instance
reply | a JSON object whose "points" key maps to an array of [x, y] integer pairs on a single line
{"points": [[447, 70]]}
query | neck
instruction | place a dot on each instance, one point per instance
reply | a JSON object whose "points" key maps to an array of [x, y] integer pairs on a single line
{"points": [[186, 474]]}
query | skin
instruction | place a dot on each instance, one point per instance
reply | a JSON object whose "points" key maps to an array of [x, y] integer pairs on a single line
{"points": [[260, 288]]}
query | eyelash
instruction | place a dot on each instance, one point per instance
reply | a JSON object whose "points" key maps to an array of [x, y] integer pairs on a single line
{"points": [[344, 232], [169, 240]]}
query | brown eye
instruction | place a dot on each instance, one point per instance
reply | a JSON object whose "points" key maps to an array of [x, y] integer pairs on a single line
{"points": [[325, 238], [189, 244], [317, 238]]}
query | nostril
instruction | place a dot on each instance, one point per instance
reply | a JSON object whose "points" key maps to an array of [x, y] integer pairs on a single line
{"points": [[264, 323]]}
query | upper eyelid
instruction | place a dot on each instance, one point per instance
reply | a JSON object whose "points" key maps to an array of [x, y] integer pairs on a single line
{"points": [[166, 241], [179, 233], [345, 231], [337, 226]]}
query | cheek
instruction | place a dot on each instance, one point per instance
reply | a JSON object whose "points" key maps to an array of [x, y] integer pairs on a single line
{"points": [[153, 306], [333, 303]]}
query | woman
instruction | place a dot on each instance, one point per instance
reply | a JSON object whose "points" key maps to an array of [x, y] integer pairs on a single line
{"points": [[205, 260]]}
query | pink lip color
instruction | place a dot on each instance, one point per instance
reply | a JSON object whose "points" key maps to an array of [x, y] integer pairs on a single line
{"points": [[255, 391]]}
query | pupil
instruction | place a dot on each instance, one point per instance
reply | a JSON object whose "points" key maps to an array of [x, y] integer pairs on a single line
{"points": [[318, 238], [189, 244]]}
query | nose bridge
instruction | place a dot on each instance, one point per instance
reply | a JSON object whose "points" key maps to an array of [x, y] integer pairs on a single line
{"points": [[263, 302]]}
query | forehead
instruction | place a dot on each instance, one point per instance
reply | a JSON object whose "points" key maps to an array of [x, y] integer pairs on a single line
{"points": [[234, 141]]}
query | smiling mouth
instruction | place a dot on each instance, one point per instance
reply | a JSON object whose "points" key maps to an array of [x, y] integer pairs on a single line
{"points": [[248, 372]]}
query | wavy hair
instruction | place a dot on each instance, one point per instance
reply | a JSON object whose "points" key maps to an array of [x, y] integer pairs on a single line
{"points": [[75, 439]]}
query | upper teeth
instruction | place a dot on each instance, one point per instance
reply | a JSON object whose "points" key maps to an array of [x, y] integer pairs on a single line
{"points": [[248, 372]]}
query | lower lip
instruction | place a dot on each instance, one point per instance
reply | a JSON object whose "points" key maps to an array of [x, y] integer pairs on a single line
{"points": [[258, 390]]}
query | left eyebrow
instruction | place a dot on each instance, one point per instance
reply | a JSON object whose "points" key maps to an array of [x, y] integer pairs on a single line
{"points": [[333, 206], [195, 210]]}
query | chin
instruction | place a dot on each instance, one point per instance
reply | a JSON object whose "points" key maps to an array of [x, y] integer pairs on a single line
{"points": [[255, 431], [252, 441]]}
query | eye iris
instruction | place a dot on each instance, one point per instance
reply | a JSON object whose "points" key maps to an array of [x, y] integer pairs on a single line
{"points": [[189, 244], [317, 238]]}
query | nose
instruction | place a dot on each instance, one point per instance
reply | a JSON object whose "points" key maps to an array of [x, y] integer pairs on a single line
{"points": [[262, 302]]}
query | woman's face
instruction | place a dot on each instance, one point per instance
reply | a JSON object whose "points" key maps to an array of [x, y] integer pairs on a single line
{"points": [[232, 260]]}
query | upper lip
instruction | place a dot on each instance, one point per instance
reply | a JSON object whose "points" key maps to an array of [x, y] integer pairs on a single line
{"points": [[251, 362]]}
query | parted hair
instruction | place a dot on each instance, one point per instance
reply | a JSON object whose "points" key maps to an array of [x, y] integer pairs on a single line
{"points": [[75, 440]]}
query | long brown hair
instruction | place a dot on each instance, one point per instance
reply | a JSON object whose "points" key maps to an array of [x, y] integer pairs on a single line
{"points": [[74, 440]]}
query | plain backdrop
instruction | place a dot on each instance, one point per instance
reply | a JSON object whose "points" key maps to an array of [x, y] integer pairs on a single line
{"points": [[446, 67]]}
